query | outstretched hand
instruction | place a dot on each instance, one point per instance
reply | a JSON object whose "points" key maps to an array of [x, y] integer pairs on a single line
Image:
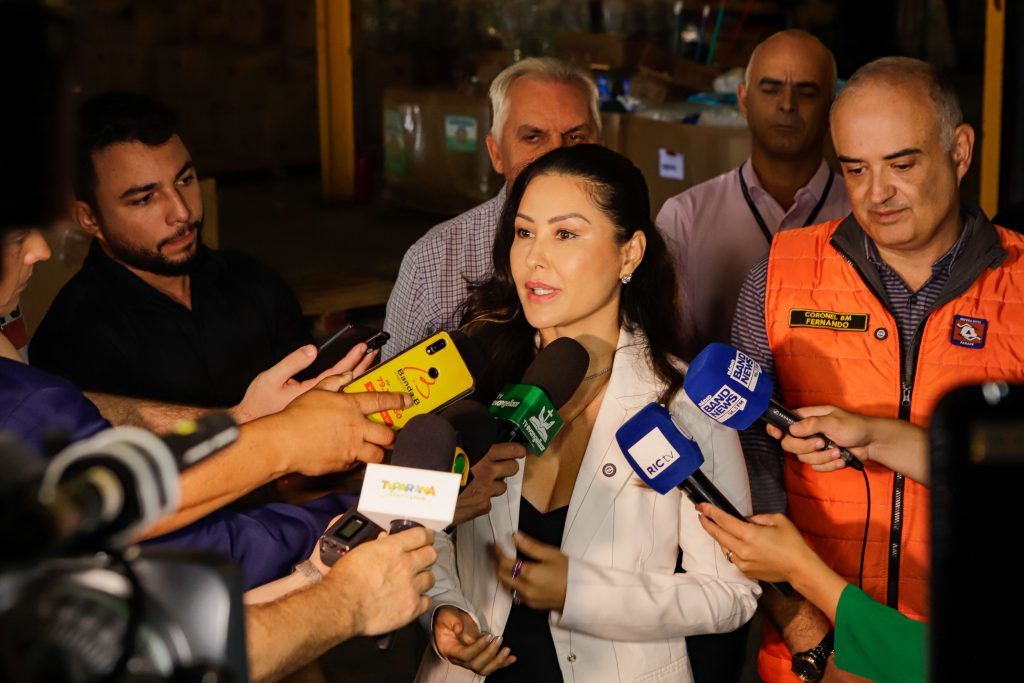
{"points": [[275, 388], [460, 641]]}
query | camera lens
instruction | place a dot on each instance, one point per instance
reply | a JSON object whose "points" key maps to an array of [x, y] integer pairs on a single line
{"points": [[436, 346]]}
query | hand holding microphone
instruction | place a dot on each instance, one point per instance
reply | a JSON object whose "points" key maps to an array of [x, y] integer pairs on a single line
{"points": [[380, 586], [730, 387], [528, 412], [525, 418], [765, 547], [812, 439], [664, 458]]}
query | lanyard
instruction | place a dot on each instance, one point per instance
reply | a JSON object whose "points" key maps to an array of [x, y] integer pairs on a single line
{"points": [[757, 214]]}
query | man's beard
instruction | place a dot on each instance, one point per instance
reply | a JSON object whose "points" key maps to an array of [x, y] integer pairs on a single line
{"points": [[154, 261]]}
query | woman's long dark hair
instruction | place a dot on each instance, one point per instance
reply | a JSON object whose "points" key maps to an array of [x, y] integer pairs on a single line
{"points": [[647, 304]]}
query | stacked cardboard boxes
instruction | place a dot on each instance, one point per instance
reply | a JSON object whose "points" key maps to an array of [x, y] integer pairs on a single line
{"points": [[435, 154]]}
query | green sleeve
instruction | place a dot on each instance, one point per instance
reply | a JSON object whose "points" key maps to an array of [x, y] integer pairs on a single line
{"points": [[877, 642]]}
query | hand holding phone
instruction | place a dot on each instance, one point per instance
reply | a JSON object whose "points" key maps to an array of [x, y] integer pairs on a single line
{"points": [[338, 346], [431, 372]]}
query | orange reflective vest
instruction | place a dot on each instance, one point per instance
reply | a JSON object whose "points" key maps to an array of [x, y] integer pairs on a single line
{"points": [[834, 341]]}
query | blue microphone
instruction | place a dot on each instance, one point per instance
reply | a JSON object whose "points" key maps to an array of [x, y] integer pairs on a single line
{"points": [[731, 388], [664, 458]]}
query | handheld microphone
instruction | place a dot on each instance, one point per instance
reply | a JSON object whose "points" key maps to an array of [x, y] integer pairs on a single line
{"points": [[426, 451], [417, 488], [730, 387], [422, 459], [477, 431], [664, 458], [529, 411]]}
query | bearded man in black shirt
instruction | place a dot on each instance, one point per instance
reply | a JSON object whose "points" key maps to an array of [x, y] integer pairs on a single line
{"points": [[153, 313]]}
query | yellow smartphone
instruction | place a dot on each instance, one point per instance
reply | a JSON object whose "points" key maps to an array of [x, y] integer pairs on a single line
{"points": [[432, 372]]}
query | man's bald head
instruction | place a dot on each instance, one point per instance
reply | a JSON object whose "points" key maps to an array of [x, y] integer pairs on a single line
{"points": [[905, 74], [790, 83], [795, 39]]}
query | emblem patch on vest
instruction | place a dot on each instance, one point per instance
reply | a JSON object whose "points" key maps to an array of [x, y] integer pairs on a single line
{"points": [[828, 320], [969, 332]]}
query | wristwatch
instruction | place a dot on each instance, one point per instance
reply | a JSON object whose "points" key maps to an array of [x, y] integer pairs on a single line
{"points": [[809, 665]]}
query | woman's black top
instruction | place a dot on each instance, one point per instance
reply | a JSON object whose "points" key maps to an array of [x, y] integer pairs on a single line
{"points": [[527, 633]]}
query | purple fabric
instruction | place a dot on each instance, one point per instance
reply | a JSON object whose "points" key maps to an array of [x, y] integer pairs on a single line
{"points": [[33, 402], [264, 541]]}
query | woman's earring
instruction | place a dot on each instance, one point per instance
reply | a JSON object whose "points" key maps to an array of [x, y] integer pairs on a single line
{"points": [[626, 278]]}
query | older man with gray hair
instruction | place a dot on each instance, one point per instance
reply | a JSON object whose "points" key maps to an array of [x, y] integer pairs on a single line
{"points": [[538, 104], [879, 313]]}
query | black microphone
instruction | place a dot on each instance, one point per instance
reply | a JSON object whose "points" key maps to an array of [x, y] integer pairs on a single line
{"points": [[429, 446], [477, 431], [529, 410], [421, 447], [730, 387], [426, 443]]}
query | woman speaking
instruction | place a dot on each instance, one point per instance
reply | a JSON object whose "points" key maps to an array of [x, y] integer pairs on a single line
{"points": [[573, 573]]}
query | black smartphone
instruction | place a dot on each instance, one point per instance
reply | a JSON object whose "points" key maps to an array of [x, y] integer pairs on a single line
{"points": [[339, 344]]}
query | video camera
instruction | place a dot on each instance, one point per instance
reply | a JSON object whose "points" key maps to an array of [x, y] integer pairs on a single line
{"points": [[77, 603]]}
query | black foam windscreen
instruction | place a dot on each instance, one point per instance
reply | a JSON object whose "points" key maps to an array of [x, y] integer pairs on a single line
{"points": [[558, 369], [470, 351], [426, 442], [476, 427]]}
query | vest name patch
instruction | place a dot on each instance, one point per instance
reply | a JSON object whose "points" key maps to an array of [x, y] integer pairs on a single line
{"points": [[828, 320], [968, 332]]}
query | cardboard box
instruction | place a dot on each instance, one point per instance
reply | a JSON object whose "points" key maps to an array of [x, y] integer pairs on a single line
{"points": [[676, 156], [676, 72], [435, 154], [601, 50], [611, 130]]}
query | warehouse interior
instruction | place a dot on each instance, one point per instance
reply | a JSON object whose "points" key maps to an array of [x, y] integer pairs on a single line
{"points": [[330, 135]]}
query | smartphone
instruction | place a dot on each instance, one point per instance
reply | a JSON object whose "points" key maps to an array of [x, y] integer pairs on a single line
{"points": [[432, 372], [338, 345]]}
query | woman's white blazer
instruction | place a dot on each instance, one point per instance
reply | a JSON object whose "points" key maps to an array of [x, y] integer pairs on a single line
{"points": [[626, 612]]}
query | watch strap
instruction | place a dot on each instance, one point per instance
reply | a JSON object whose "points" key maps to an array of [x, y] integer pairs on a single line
{"points": [[818, 654]]}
